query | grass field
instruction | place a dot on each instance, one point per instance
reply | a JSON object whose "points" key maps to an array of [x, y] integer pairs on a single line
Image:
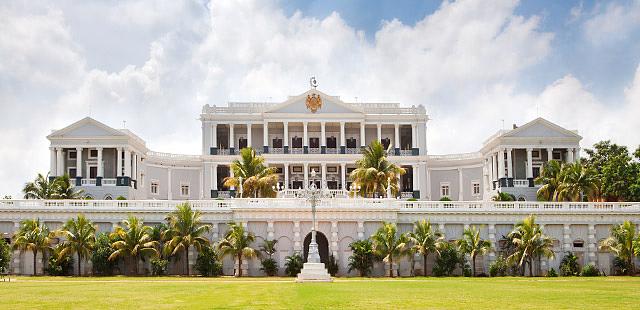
{"points": [[278, 293]]}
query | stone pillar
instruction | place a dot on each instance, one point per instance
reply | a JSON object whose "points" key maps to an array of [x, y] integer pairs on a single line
{"points": [[509, 167], [577, 154], [334, 240], [127, 163], [568, 243], [570, 155], [286, 137], [249, 142], [78, 162], [119, 163], [530, 166], [306, 175], [549, 154], [265, 137], [134, 166], [494, 244], [494, 169], [414, 178], [396, 138], [363, 135], [100, 173], [343, 176], [305, 137], [286, 176], [501, 177], [460, 185], [214, 139], [361, 230], [60, 162], [379, 131], [323, 167], [169, 194], [414, 140], [343, 140], [214, 181], [270, 230], [53, 161], [544, 264], [232, 139], [323, 138], [297, 240], [592, 245]]}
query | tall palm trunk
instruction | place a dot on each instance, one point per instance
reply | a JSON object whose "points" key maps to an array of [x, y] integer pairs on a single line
{"points": [[424, 265], [35, 253], [186, 259], [391, 266], [239, 274], [79, 269], [531, 267], [473, 263], [135, 264]]}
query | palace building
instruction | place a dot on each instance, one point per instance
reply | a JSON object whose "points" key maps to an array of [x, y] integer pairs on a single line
{"points": [[309, 132]]}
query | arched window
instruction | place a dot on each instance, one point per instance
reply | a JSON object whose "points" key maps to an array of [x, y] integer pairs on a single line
{"points": [[521, 198], [108, 197]]}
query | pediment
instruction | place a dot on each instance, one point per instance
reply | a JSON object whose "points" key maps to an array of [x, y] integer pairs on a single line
{"points": [[329, 105], [87, 127], [541, 128]]}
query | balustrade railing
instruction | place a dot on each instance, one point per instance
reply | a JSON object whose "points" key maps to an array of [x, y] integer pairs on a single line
{"points": [[297, 151], [314, 150], [223, 152], [520, 183], [332, 151], [352, 150], [277, 150], [109, 182], [88, 182], [406, 152]]}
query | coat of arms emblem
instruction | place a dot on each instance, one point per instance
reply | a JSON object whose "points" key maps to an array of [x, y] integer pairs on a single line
{"points": [[314, 102]]}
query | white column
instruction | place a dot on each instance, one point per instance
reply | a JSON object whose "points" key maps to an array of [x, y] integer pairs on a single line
{"points": [[119, 163], [53, 161], [379, 128], [529, 163], [286, 176], [100, 164], [249, 142], [323, 167], [509, 164], [265, 134], [414, 177], [78, 162], [214, 177], [396, 137], [60, 162], [286, 134], [500, 163], [414, 138], [214, 135], [323, 134], [363, 138], [134, 169], [127, 163], [232, 136], [343, 141], [461, 185], [306, 175], [305, 136], [549, 154], [577, 154], [169, 193], [570, 155], [494, 169], [343, 175]]}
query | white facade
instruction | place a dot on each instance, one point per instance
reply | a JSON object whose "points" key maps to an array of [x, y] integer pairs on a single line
{"points": [[296, 140]]}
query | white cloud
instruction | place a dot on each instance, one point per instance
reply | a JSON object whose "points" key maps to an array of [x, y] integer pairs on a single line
{"points": [[463, 62], [612, 22]]}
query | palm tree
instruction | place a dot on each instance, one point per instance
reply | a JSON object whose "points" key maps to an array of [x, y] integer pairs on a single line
{"points": [[472, 244], [64, 189], [185, 230], [40, 188], [621, 242], [425, 240], [550, 180], [269, 247], [502, 196], [33, 236], [257, 179], [133, 240], [375, 173], [80, 235], [237, 243], [387, 243], [530, 243], [577, 181]]}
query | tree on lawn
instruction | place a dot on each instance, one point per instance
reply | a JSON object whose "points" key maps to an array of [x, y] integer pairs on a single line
{"points": [[33, 236], [425, 240], [133, 241], [237, 243], [624, 242], [387, 243], [185, 230], [80, 236], [473, 245]]}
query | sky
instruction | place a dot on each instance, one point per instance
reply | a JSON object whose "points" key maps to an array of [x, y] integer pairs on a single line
{"points": [[475, 65]]}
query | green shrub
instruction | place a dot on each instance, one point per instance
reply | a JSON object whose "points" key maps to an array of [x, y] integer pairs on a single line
{"points": [[332, 266], [121, 198], [59, 265], [269, 266], [590, 271], [620, 266], [100, 256], [499, 268], [208, 263], [569, 265], [5, 256], [362, 257], [445, 198], [293, 264], [159, 266], [552, 273], [447, 261], [412, 199]]}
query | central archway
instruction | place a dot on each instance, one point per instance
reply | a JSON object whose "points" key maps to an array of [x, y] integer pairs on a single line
{"points": [[323, 246]]}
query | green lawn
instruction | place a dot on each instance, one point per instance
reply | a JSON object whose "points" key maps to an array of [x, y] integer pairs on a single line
{"points": [[277, 293]]}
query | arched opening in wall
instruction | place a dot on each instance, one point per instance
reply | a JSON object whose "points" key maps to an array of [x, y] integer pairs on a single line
{"points": [[521, 198], [89, 197], [108, 197], [323, 246]]}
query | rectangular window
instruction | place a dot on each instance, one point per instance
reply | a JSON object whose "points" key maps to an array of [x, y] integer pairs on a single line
{"points": [[72, 172], [351, 143], [154, 187], [536, 154], [72, 154], [296, 142], [93, 172], [557, 156], [332, 169], [184, 190], [314, 143], [476, 188], [331, 142], [242, 143], [93, 153], [277, 143], [444, 190]]}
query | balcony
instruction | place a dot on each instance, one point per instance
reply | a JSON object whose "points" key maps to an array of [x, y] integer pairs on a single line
{"points": [[314, 150], [93, 182], [297, 151], [224, 152], [276, 150], [520, 183], [332, 151], [355, 150]]}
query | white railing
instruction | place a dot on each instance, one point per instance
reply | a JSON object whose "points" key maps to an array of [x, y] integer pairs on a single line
{"points": [[460, 156], [88, 182], [314, 150], [352, 150], [347, 203], [276, 150], [172, 156], [332, 151], [520, 183], [297, 151], [406, 152], [109, 182], [224, 152], [406, 195]]}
